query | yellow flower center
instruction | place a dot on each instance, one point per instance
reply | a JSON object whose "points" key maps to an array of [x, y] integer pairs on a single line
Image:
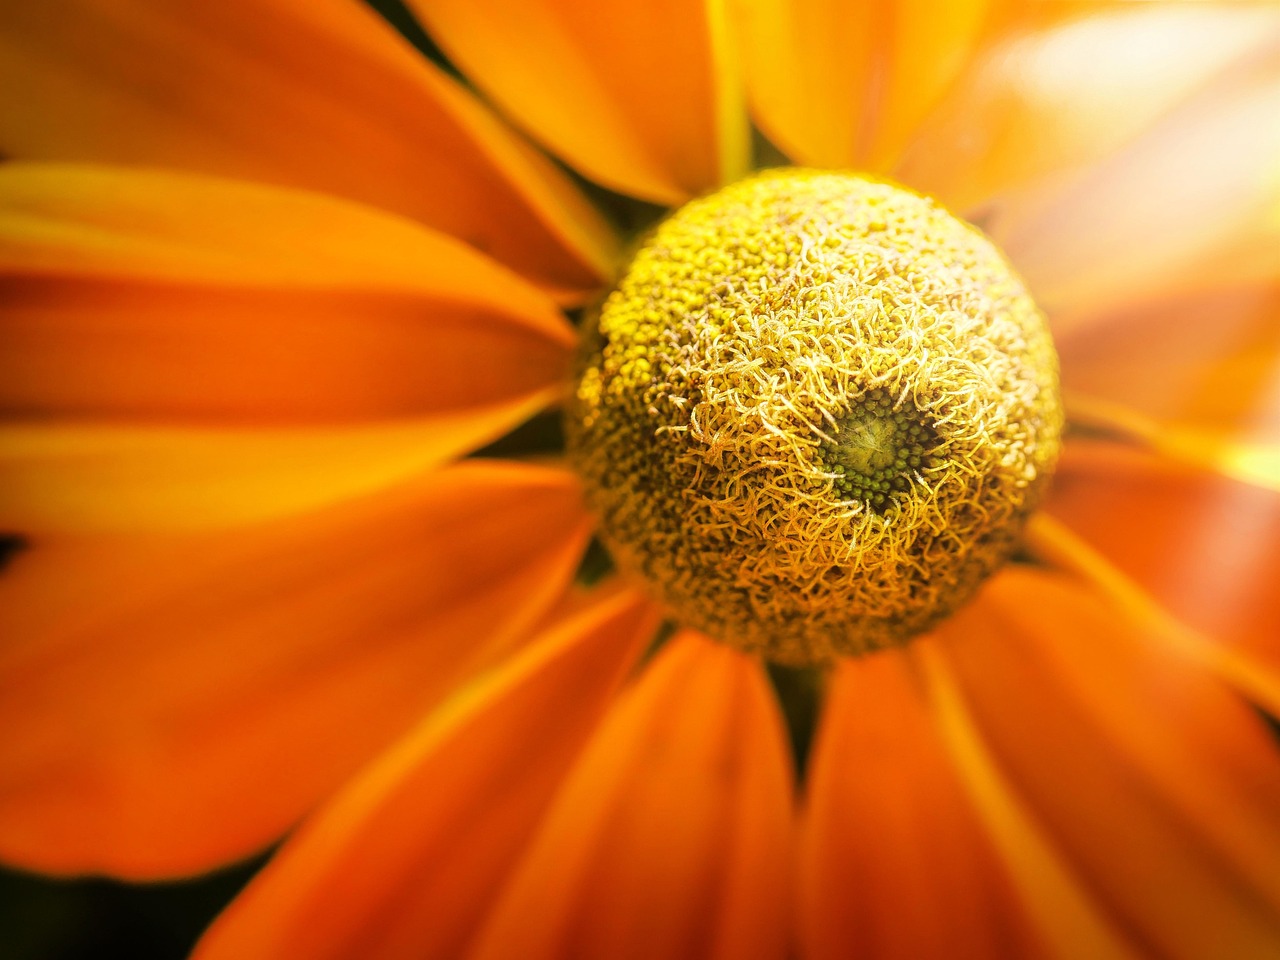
{"points": [[815, 413]]}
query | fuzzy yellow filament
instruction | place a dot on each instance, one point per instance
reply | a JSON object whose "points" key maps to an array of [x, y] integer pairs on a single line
{"points": [[815, 413]]}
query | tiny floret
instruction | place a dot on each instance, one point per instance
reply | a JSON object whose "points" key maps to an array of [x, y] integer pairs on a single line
{"points": [[815, 413]]}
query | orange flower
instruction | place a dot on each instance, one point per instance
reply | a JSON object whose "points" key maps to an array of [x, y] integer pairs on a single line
{"points": [[269, 273]]}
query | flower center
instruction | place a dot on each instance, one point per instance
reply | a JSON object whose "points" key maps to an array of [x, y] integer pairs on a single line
{"points": [[879, 447], [815, 413]]}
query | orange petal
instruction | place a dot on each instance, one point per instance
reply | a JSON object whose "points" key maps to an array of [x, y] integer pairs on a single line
{"points": [[1161, 787], [671, 837], [640, 95], [1208, 363], [405, 862], [1206, 546], [894, 860], [1041, 106], [318, 94], [93, 479], [1193, 203], [1068, 916], [171, 703], [838, 84], [1247, 456], [1053, 544], [162, 332], [168, 297]]}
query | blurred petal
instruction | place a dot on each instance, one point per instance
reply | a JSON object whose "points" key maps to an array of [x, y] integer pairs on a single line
{"points": [[1192, 203], [838, 84], [671, 836], [92, 479], [1205, 546], [1207, 364], [1153, 172], [173, 297], [168, 704], [894, 859], [1029, 110], [640, 95], [320, 94], [161, 332], [1173, 805], [1237, 456], [189, 354], [405, 861]]}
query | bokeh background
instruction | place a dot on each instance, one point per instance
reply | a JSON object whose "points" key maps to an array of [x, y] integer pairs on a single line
{"points": [[43, 919]]}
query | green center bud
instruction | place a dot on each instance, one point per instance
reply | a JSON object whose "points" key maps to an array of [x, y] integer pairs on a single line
{"points": [[815, 413]]}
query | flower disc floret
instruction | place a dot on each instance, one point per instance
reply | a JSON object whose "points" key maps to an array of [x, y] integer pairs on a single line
{"points": [[815, 413]]}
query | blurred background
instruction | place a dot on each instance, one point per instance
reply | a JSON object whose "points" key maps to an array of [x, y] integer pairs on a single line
{"points": [[94, 919]]}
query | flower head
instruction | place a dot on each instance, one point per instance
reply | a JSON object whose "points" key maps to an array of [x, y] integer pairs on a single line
{"points": [[815, 413], [960, 434]]}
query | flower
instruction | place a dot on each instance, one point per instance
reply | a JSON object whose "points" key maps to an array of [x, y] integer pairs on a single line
{"points": [[269, 275]]}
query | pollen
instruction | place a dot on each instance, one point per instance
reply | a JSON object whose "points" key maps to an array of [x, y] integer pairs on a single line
{"points": [[814, 414]]}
